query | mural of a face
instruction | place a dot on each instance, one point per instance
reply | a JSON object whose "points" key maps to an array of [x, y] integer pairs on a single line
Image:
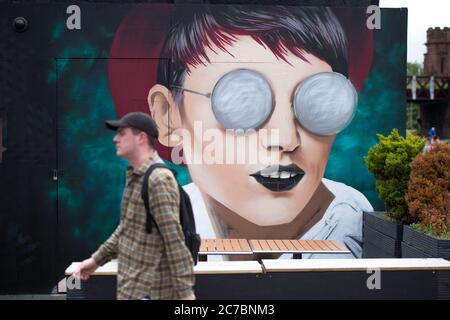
{"points": [[233, 185], [106, 70]]}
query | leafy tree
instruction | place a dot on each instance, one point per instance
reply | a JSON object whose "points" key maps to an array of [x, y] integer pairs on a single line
{"points": [[414, 69], [428, 195]]}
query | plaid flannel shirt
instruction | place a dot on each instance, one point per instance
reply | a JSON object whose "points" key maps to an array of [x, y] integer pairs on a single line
{"points": [[158, 265]]}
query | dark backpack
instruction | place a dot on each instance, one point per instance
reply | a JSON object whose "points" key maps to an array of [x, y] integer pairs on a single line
{"points": [[192, 239]]}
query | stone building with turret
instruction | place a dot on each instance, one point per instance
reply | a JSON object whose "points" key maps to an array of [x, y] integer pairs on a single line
{"points": [[437, 63], [437, 57]]}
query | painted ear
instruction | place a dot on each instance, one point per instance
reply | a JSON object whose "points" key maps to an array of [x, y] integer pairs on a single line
{"points": [[166, 115]]}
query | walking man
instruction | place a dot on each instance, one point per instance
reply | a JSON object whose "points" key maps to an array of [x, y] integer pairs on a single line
{"points": [[155, 265]]}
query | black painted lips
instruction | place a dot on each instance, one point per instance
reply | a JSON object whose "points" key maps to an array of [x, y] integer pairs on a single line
{"points": [[278, 184]]}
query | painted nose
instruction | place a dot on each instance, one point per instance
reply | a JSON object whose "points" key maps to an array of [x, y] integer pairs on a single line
{"points": [[282, 131]]}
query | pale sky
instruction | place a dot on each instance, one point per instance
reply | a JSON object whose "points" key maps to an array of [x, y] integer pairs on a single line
{"points": [[422, 14]]}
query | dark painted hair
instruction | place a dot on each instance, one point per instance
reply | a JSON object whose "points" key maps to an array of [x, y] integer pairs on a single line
{"points": [[280, 28]]}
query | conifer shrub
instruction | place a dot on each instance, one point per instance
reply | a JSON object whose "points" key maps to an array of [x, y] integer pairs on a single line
{"points": [[389, 161]]}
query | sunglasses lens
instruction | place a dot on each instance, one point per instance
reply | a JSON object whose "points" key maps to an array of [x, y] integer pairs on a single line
{"points": [[242, 99], [325, 103]]}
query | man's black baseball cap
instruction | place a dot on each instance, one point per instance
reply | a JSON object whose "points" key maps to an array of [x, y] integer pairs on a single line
{"points": [[137, 120]]}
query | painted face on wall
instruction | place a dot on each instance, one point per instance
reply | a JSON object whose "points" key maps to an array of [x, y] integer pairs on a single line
{"points": [[299, 155]]}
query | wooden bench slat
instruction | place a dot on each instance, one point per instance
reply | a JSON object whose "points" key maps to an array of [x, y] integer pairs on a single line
{"points": [[255, 245], [292, 244], [281, 245], [297, 244], [332, 244], [272, 245], [236, 246], [206, 244], [289, 245], [303, 245], [306, 245], [244, 245], [219, 245], [264, 245], [202, 246], [313, 245], [227, 245], [212, 245], [323, 246], [341, 246]]}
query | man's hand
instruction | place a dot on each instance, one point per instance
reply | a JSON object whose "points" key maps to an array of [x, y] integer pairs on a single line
{"points": [[85, 269], [189, 297]]}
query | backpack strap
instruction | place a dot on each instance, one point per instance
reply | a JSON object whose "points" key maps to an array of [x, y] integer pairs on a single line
{"points": [[144, 195]]}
